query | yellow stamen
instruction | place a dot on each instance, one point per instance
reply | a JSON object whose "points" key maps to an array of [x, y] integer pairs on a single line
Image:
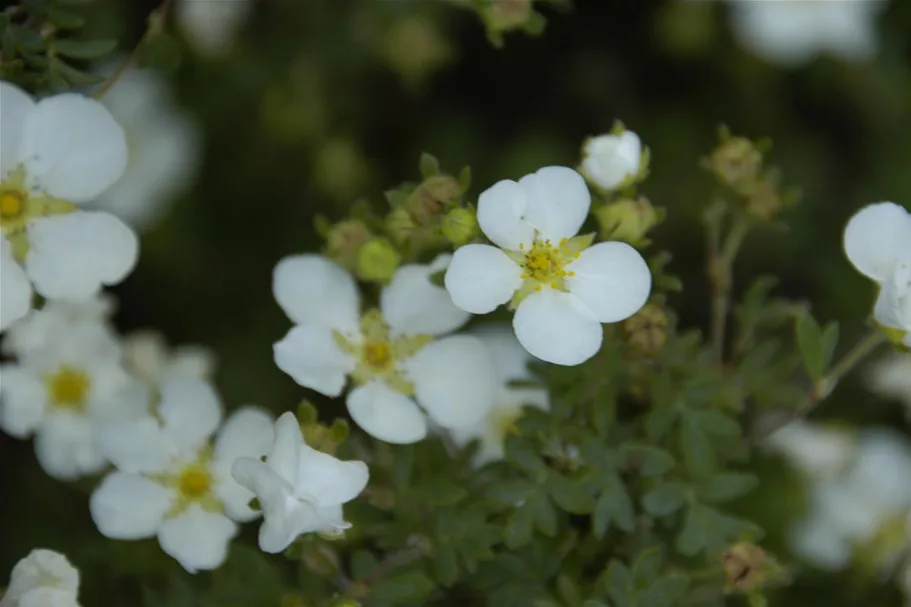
{"points": [[194, 482], [12, 204], [68, 388]]}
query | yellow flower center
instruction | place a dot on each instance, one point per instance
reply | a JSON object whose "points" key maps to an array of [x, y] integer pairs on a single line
{"points": [[12, 204], [377, 354], [546, 263], [68, 388], [503, 421], [194, 482]]}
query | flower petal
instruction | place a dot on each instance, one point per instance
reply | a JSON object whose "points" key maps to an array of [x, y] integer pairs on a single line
{"points": [[22, 401], [134, 445], [42, 568], [284, 458], [874, 238], [72, 256], [72, 147], [454, 380], [190, 411], [129, 506], [510, 360], [248, 432], [281, 511], [313, 290], [15, 106], [413, 304], [197, 539], [386, 414], [48, 596], [556, 327], [15, 288], [312, 357], [612, 280], [558, 202], [501, 208], [328, 480], [481, 277], [66, 447], [611, 159]]}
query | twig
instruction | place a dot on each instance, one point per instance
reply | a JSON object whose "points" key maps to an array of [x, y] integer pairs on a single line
{"points": [[721, 261]]}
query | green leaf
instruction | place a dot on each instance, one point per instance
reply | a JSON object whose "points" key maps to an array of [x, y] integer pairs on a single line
{"points": [[659, 421], [63, 19], [810, 344], [520, 528], [429, 165], [664, 499], [619, 584], [647, 459], [716, 423], [697, 450], [408, 588], [666, 592], [613, 506], [706, 529], [693, 535], [445, 564], [71, 74], [568, 590], [363, 563], [647, 565], [572, 495], [85, 49], [440, 491], [544, 512], [726, 486], [511, 492], [161, 51], [520, 452]]}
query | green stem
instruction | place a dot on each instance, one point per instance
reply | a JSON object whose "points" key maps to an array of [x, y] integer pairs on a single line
{"points": [[721, 264]]}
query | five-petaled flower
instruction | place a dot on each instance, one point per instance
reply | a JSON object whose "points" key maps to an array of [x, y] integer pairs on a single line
{"points": [[611, 160], [300, 489], [878, 243], [392, 354], [42, 579], [57, 154], [171, 482], [561, 286]]}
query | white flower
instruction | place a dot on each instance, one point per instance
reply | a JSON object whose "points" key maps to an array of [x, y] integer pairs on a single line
{"points": [[878, 243], [87, 321], [163, 147], [892, 377], [61, 394], [562, 288], [791, 32], [848, 510], [815, 450], [510, 363], [211, 26], [42, 579], [15, 288], [57, 154], [149, 359], [300, 489], [391, 353], [610, 160], [171, 482]]}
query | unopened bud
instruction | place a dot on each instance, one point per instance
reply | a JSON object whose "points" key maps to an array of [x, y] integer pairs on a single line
{"points": [[748, 568], [647, 330], [320, 437], [735, 161], [505, 15], [460, 226], [428, 199], [628, 221], [377, 261], [399, 224], [345, 240], [321, 559], [762, 200]]}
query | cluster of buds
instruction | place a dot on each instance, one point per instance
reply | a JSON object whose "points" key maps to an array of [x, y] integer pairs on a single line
{"points": [[749, 570], [738, 165], [647, 330], [320, 436], [629, 220]]}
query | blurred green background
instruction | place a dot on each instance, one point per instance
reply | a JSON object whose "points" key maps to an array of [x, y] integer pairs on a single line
{"points": [[322, 102]]}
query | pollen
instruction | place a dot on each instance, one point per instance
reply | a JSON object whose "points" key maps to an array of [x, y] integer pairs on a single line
{"points": [[194, 482], [12, 204], [546, 264], [68, 388], [377, 355]]}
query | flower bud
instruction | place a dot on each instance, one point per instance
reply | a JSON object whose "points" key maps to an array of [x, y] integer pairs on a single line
{"points": [[647, 330], [427, 199], [736, 161], [399, 225], [762, 200], [612, 161], [377, 261], [747, 568], [505, 15], [321, 559], [460, 226], [628, 220], [345, 240], [897, 337]]}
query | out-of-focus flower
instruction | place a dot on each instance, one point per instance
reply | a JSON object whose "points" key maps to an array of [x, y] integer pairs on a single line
{"points": [[171, 482], [211, 26], [62, 394], [148, 358], [510, 363], [394, 355], [561, 287], [847, 510], [816, 451], [42, 579], [60, 320], [791, 32], [892, 377], [610, 161], [877, 241], [57, 154], [163, 146], [300, 489]]}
